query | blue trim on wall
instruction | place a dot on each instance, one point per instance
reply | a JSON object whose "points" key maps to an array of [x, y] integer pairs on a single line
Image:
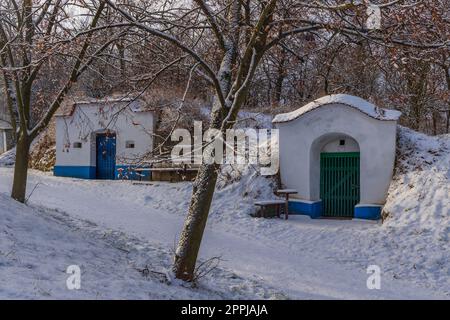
{"points": [[124, 172], [89, 172], [312, 209], [371, 212], [82, 172]]}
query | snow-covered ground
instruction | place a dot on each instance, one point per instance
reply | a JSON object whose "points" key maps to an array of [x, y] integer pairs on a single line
{"points": [[38, 245], [112, 228]]}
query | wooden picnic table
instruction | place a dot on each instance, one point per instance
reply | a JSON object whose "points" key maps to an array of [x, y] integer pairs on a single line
{"points": [[181, 170], [286, 192], [141, 170]]}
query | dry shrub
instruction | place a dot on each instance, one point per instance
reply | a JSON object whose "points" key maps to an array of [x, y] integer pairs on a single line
{"points": [[173, 113], [43, 151]]}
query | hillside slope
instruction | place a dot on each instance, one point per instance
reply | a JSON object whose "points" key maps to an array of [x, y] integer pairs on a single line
{"points": [[419, 194]]}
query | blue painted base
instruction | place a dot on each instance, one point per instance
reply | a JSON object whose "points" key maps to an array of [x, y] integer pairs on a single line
{"points": [[82, 172], [89, 172], [124, 172], [370, 212], [312, 209]]}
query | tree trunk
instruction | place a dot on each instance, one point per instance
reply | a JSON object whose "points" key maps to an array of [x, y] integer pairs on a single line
{"points": [[202, 192], [222, 117], [279, 84], [191, 237], [280, 77], [447, 80], [21, 168]]}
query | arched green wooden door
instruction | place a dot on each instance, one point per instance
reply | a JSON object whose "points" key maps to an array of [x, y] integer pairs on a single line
{"points": [[339, 183]]}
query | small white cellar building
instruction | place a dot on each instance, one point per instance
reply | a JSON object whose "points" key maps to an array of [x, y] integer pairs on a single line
{"points": [[103, 139], [338, 152]]}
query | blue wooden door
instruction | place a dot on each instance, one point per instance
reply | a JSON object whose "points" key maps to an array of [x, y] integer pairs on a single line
{"points": [[106, 156]]}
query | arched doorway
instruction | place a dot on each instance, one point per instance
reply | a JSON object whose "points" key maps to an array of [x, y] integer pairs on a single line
{"points": [[337, 174]]}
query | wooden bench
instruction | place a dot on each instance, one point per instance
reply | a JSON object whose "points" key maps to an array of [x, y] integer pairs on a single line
{"points": [[265, 204], [140, 182], [174, 174], [140, 171]]}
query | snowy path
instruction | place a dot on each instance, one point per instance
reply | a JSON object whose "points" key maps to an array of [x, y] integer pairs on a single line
{"points": [[251, 250]]}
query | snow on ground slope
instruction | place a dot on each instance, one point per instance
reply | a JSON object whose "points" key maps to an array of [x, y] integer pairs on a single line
{"points": [[37, 246], [419, 195], [418, 207], [261, 258], [298, 258]]}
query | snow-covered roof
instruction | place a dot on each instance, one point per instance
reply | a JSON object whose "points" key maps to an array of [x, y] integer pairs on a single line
{"points": [[345, 99], [68, 108]]}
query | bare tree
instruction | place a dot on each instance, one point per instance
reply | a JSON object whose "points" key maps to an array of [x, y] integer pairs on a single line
{"points": [[231, 89], [36, 38], [227, 40]]}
